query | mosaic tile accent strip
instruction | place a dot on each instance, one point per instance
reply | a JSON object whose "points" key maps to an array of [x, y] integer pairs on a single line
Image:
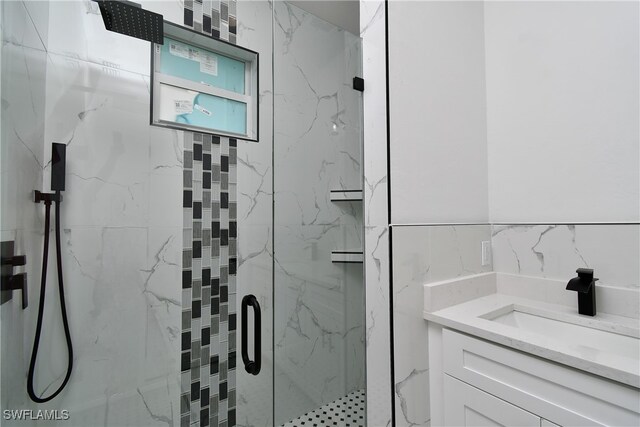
{"points": [[348, 411], [209, 261], [209, 318], [215, 17]]}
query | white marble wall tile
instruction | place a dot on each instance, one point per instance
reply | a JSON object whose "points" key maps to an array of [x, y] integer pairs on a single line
{"points": [[76, 30], [38, 14], [556, 251], [23, 118], [164, 200], [108, 175], [165, 151], [319, 316], [423, 254], [376, 236], [162, 272], [171, 10], [254, 192], [21, 156], [121, 218], [25, 23], [378, 336], [122, 312], [147, 405]]}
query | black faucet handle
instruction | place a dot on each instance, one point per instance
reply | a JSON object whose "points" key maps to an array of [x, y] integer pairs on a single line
{"points": [[16, 282], [583, 282], [585, 273]]}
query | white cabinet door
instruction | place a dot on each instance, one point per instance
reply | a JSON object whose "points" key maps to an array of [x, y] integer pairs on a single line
{"points": [[566, 396], [465, 405]]}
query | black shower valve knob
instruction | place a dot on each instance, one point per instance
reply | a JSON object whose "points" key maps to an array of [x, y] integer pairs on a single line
{"points": [[15, 261]]}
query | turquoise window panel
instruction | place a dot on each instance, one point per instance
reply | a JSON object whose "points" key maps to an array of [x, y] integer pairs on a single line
{"points": [[202, 66], [213, 112]]}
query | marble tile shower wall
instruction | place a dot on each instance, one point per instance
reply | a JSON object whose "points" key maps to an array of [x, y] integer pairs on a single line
{"points": [[122, 215], [423, 254], [121, 218], [255, 395], [23, 68], [319, 321]]}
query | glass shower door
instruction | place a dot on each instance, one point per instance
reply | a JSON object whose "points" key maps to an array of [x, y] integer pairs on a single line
{"points": [[319, 332], [150, 244]]}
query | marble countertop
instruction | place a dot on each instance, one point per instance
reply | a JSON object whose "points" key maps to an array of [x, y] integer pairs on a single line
{"points": [[470, 298]]}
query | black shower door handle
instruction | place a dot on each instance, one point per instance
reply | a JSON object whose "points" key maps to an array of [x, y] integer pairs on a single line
{"points": [[251, 366]]}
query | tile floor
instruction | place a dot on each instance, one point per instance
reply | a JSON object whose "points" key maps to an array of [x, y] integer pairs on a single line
{"points": [[348, 411]]}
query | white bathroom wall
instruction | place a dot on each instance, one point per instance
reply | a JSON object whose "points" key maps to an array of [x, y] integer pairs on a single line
{"points": [[563, 124], [561, 105], [438, 162], [437, 107], [507, 112], [562, 111]]}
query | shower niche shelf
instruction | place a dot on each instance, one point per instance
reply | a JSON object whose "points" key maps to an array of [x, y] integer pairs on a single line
{"points": [[347, 257], [345, 195]]}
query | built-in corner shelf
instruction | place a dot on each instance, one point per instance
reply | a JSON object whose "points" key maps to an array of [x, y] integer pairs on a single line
{"points": [[348, 257], [346, 195]]}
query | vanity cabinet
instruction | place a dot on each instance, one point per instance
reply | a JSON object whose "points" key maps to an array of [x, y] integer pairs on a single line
{"points": [[468, 406], [483, 383]]}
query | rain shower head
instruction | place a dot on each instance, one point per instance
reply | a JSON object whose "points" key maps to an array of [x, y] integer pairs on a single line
{"points": [[128, 18]]}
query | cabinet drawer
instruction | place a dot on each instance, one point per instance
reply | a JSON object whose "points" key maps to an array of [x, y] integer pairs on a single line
{"points": [[555, 392], [467, 406]]}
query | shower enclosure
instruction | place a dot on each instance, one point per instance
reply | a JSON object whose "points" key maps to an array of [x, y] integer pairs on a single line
{"points": [[165, 231]]}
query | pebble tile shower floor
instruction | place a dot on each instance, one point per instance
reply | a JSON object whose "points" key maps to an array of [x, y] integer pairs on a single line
{"points": [[348, 411]]}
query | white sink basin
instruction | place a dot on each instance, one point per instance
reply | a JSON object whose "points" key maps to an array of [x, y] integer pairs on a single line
{"points": [[590, 336]]}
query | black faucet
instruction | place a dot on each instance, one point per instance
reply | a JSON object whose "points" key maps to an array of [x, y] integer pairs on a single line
{"points": [[585, 285]]}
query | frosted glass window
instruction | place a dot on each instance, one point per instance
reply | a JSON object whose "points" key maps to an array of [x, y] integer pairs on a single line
{"points": [[204, 84], [201, 65], [193, 108]]}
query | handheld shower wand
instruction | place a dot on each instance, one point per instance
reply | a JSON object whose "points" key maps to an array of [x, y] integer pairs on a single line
{"points": [[58, 160]]}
